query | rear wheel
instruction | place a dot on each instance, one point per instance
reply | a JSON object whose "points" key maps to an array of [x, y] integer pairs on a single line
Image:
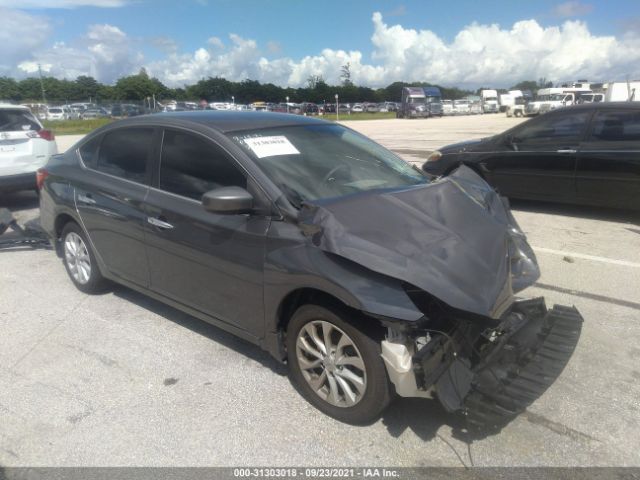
{"points": [[80, 261], [336, 366]]}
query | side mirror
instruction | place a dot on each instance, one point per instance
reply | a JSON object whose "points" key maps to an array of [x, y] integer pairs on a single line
{"points": [[227, 200]]}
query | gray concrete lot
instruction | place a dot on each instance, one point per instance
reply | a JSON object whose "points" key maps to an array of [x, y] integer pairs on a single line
{"points": [[119, 379]]}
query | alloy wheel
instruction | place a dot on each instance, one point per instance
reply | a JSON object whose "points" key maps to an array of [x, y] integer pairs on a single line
{"points": [[331, 363], [77, 257]]}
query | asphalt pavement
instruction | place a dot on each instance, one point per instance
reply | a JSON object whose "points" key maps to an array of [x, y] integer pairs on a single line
{"points": [[120, 379]]}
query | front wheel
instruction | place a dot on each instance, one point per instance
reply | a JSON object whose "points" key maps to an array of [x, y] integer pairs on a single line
{"points": [[335, 366], [80, 261]]}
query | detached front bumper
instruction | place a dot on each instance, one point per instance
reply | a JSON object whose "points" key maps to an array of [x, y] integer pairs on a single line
{"points": [[489, 374]]}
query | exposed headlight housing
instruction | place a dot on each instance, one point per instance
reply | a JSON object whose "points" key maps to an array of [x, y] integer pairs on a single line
{"points": [[435, 156]]}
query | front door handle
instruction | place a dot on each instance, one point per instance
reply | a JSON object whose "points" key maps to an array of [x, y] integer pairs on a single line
{"points": [[82, 198], [156, 222], [567, 150]]}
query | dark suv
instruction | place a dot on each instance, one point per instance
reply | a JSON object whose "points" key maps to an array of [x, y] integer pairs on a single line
{"points": [[322, 247], [587, 154]]}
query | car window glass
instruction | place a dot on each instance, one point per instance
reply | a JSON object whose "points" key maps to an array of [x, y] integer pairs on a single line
{"points": [[191, 166], [616, 126], [124, 153], [88, 152], [17, 120], [554, 127]]}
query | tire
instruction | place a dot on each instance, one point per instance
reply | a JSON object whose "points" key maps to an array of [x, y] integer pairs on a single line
{"points": [[517, 113], [80, 261], [355, 405]]}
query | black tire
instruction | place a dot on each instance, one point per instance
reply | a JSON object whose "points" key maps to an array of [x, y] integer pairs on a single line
{"points": [[378, 391], [95, 283]]}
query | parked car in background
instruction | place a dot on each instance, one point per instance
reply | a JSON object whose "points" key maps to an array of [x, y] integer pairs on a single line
{"points": [[25, 146], [461, 107], [58, 113], [39, 110], [357, 108], [307, 108], [269, 227], [586, 154], [591, 98], [447, 107], [344, 108], [92, 113], [371, 107]]}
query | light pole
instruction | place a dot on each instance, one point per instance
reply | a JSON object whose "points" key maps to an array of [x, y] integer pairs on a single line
{"points": [[287, 97], [233, 102], [337, 108]]}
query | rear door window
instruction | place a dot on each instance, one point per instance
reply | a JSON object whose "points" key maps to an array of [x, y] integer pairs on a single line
{"points": [[190, 166], [621, 126], [17, 120], [125, 152], [563, 127]]}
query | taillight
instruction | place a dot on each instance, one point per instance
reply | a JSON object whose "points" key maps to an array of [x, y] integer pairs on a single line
{"points": [[41, 174], [46, 135]]}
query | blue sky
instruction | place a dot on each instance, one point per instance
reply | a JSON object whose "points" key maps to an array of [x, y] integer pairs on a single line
{"points": [[305, 27], [167, 36]]}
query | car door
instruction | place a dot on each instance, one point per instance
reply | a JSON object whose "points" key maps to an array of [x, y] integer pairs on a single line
{"points": [[210, 262], [110, 195], [538, 159], [608, 171]]}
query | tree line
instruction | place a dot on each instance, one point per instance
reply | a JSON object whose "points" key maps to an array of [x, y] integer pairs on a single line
{"points": [[139, 87]]}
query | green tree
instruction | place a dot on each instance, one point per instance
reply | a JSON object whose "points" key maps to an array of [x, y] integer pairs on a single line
{"points": [[86, 88], [9, 89], [139, 87], [345, 75]]}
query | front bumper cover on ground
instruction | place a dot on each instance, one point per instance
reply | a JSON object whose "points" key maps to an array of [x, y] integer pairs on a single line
{"points": [[492, 374]]}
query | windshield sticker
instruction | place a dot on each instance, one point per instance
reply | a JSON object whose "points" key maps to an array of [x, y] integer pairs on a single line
{"points": [[271, 146]]}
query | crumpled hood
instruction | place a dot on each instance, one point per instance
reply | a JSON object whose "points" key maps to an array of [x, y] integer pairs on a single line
{"points": [[454, 238]]}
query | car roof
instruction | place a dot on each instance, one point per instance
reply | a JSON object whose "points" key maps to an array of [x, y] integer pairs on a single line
{"points": [[227, 121], [6, 106]]}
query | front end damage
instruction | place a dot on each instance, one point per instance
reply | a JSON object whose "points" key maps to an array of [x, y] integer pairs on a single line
{"points": [[489, 370], [462, 258]]}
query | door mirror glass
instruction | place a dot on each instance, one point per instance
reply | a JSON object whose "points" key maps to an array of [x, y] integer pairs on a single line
{"points": [[228, 200]]}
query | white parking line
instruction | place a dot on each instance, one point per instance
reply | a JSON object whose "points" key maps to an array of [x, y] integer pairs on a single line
{"points": [[594, 258]]}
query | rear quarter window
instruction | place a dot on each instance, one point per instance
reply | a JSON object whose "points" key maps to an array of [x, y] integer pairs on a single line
{"points": [[17, 120], [89, 152]]}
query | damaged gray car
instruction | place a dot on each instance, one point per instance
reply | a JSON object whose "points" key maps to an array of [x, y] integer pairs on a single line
{"points": [[322, 247]]}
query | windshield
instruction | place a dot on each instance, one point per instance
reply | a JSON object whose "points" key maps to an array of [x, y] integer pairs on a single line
{"points": [[557, 97], [314, 162], [434, 99]]}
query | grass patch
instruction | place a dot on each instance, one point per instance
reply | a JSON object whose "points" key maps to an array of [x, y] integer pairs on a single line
{"points": [[344, 117], [75, 127]]}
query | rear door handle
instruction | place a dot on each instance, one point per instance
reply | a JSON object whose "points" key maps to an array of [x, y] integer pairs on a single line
{"points": [[86, 198], [567, 150], [156, 222]]}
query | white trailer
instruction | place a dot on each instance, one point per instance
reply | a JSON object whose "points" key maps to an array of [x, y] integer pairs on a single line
{"points": [[622, 92]]}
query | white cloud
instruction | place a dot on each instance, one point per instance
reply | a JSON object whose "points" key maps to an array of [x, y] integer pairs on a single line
{"points": [[487, 55], [20, 34], [105, 52], [572, 8], [25, 4]]}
